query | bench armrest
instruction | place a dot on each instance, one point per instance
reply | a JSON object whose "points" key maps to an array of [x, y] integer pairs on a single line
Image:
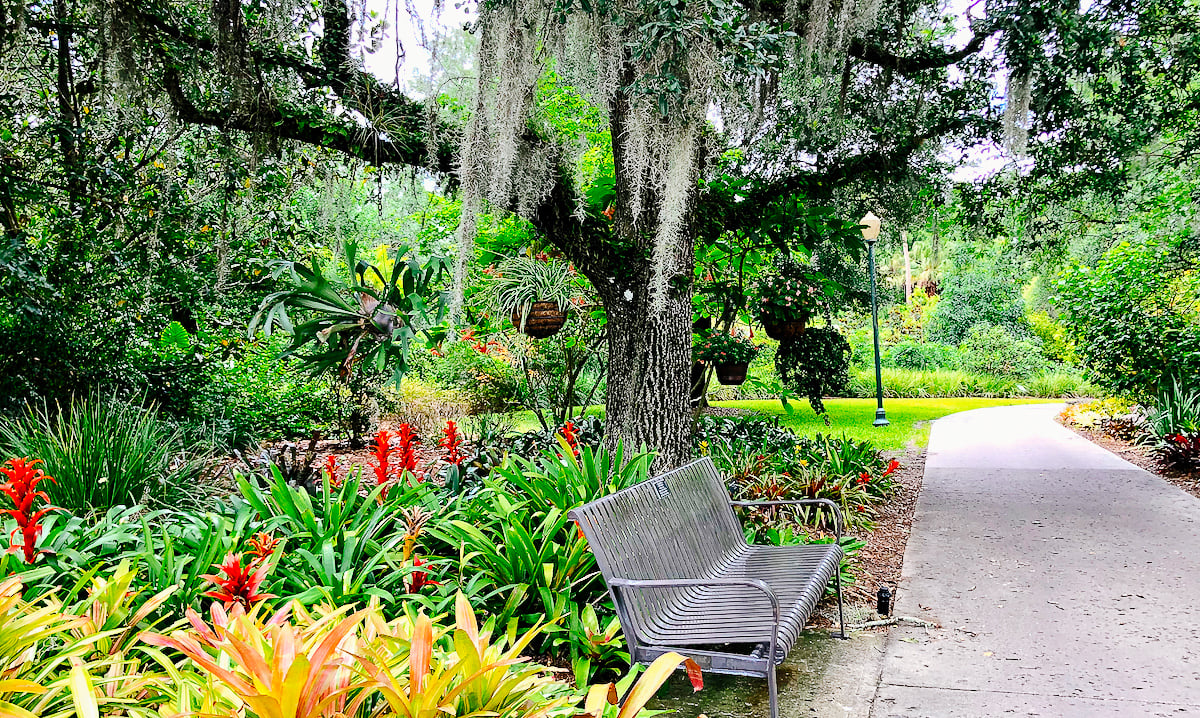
{"points": [[837, 512], [629, 583]]}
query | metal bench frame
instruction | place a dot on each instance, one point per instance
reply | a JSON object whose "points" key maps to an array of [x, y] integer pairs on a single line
{"points": [[678, 569]]}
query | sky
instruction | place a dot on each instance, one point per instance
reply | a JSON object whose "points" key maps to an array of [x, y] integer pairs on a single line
{"points": [[972, 164]]}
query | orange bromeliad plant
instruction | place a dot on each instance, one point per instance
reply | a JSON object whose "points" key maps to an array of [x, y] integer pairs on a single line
{"points": [[280, 667]]}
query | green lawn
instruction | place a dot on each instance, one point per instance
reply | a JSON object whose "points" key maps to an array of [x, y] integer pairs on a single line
{"points": [[910, 417]]}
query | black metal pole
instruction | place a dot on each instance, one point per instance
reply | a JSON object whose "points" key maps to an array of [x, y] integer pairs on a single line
{"points": [[880, 415]]}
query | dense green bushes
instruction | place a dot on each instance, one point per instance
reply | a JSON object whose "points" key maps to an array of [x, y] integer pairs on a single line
{"points": [[1136, 313], [917, 384], [979, 295]]}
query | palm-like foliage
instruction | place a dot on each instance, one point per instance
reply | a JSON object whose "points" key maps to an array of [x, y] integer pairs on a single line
{"points": [[361, 319]]}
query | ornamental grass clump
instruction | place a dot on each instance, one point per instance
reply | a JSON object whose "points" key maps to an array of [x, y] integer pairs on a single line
{"points": [[104, 453], [721, 348]]}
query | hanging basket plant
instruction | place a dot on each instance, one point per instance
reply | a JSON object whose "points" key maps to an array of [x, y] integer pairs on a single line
{"points": [[536, 293], [729, 353], [783, 300]]}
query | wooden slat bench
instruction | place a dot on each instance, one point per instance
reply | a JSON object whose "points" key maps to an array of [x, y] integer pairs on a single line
{"points": [[683, 578]]}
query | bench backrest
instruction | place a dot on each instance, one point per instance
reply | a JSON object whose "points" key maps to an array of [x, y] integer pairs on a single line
{"points": [[676, 525]]}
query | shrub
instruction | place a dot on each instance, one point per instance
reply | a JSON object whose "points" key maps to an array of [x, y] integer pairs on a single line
{"points": [[103, 453], [423, 406], [920, 355], [1056, 344], [487, 383], [917, 384], [976, 296], [991, 349], [1134, 315]]}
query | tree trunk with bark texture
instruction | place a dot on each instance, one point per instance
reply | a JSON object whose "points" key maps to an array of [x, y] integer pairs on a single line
{"points": [[649, 371]]}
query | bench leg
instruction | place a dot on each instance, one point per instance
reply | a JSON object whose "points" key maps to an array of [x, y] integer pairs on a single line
{"points": [[772, 688], [841, 612]]}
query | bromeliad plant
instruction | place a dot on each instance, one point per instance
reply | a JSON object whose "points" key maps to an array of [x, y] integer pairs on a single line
{"points": [[721, 348], [21, 486]]}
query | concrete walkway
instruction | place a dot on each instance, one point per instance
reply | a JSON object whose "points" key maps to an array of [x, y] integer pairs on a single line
{"points": [[1066, 580]]}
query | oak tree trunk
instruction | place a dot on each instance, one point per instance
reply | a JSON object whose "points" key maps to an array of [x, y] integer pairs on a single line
{"points": [[649, 375]]}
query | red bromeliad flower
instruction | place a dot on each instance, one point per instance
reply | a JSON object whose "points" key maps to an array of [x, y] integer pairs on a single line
{"points": [[419, 579], [381, 451], [331, 470], [262, 545], [892, 466], [21, 487], [864, 477], [240, 583], [571, 435], [406, 450], [451, 444]]}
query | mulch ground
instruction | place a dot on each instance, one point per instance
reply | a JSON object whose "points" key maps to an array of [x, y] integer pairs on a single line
{"points": [[881, 559], [1143, 457]]}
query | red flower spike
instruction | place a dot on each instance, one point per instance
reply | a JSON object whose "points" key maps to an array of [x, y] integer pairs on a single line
{"points": [[406, 450], [331, 470], [21, 486], [892, 466], [381, 451], [239, 585], [571, 435], [864, 477], [451, 444]]}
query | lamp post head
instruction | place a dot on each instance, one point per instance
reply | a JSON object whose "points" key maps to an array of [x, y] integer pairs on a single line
{"points": [[870, 227]]}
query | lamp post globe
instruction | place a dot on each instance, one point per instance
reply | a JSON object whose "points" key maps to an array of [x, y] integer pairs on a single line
{"points": [[870, 231]]}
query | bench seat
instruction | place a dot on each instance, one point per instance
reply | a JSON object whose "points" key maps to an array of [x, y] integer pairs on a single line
{"points": [[682, 576]]}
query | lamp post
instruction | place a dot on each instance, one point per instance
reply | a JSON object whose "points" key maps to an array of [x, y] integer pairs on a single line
{"points": [[870, 232]]}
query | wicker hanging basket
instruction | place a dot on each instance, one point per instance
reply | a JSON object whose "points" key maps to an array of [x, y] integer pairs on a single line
{"points": [[544, 320], [785, 330], [733, 373]]}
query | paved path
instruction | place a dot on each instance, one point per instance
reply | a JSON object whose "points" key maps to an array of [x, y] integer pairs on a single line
{"points": [[1066, 580]]}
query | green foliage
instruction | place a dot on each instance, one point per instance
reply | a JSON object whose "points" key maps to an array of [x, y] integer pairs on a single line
{"points": [[920, 356], [918, 384], [1056, 345], [361, 320], [1135, 316], [992, 350], [522, 280], [103, 453], [977, 296], [1173, 422], [485, 381], [815, 364]]}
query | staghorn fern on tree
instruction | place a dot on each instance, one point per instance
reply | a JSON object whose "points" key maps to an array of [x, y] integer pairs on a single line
{"points": [[360, 319]]}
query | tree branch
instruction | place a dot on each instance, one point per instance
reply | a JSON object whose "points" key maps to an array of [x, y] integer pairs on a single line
{"points": [[876, 55]]}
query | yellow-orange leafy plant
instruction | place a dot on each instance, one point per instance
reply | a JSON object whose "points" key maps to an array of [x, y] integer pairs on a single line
{"points": [[281, 666], [419, 678]]}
